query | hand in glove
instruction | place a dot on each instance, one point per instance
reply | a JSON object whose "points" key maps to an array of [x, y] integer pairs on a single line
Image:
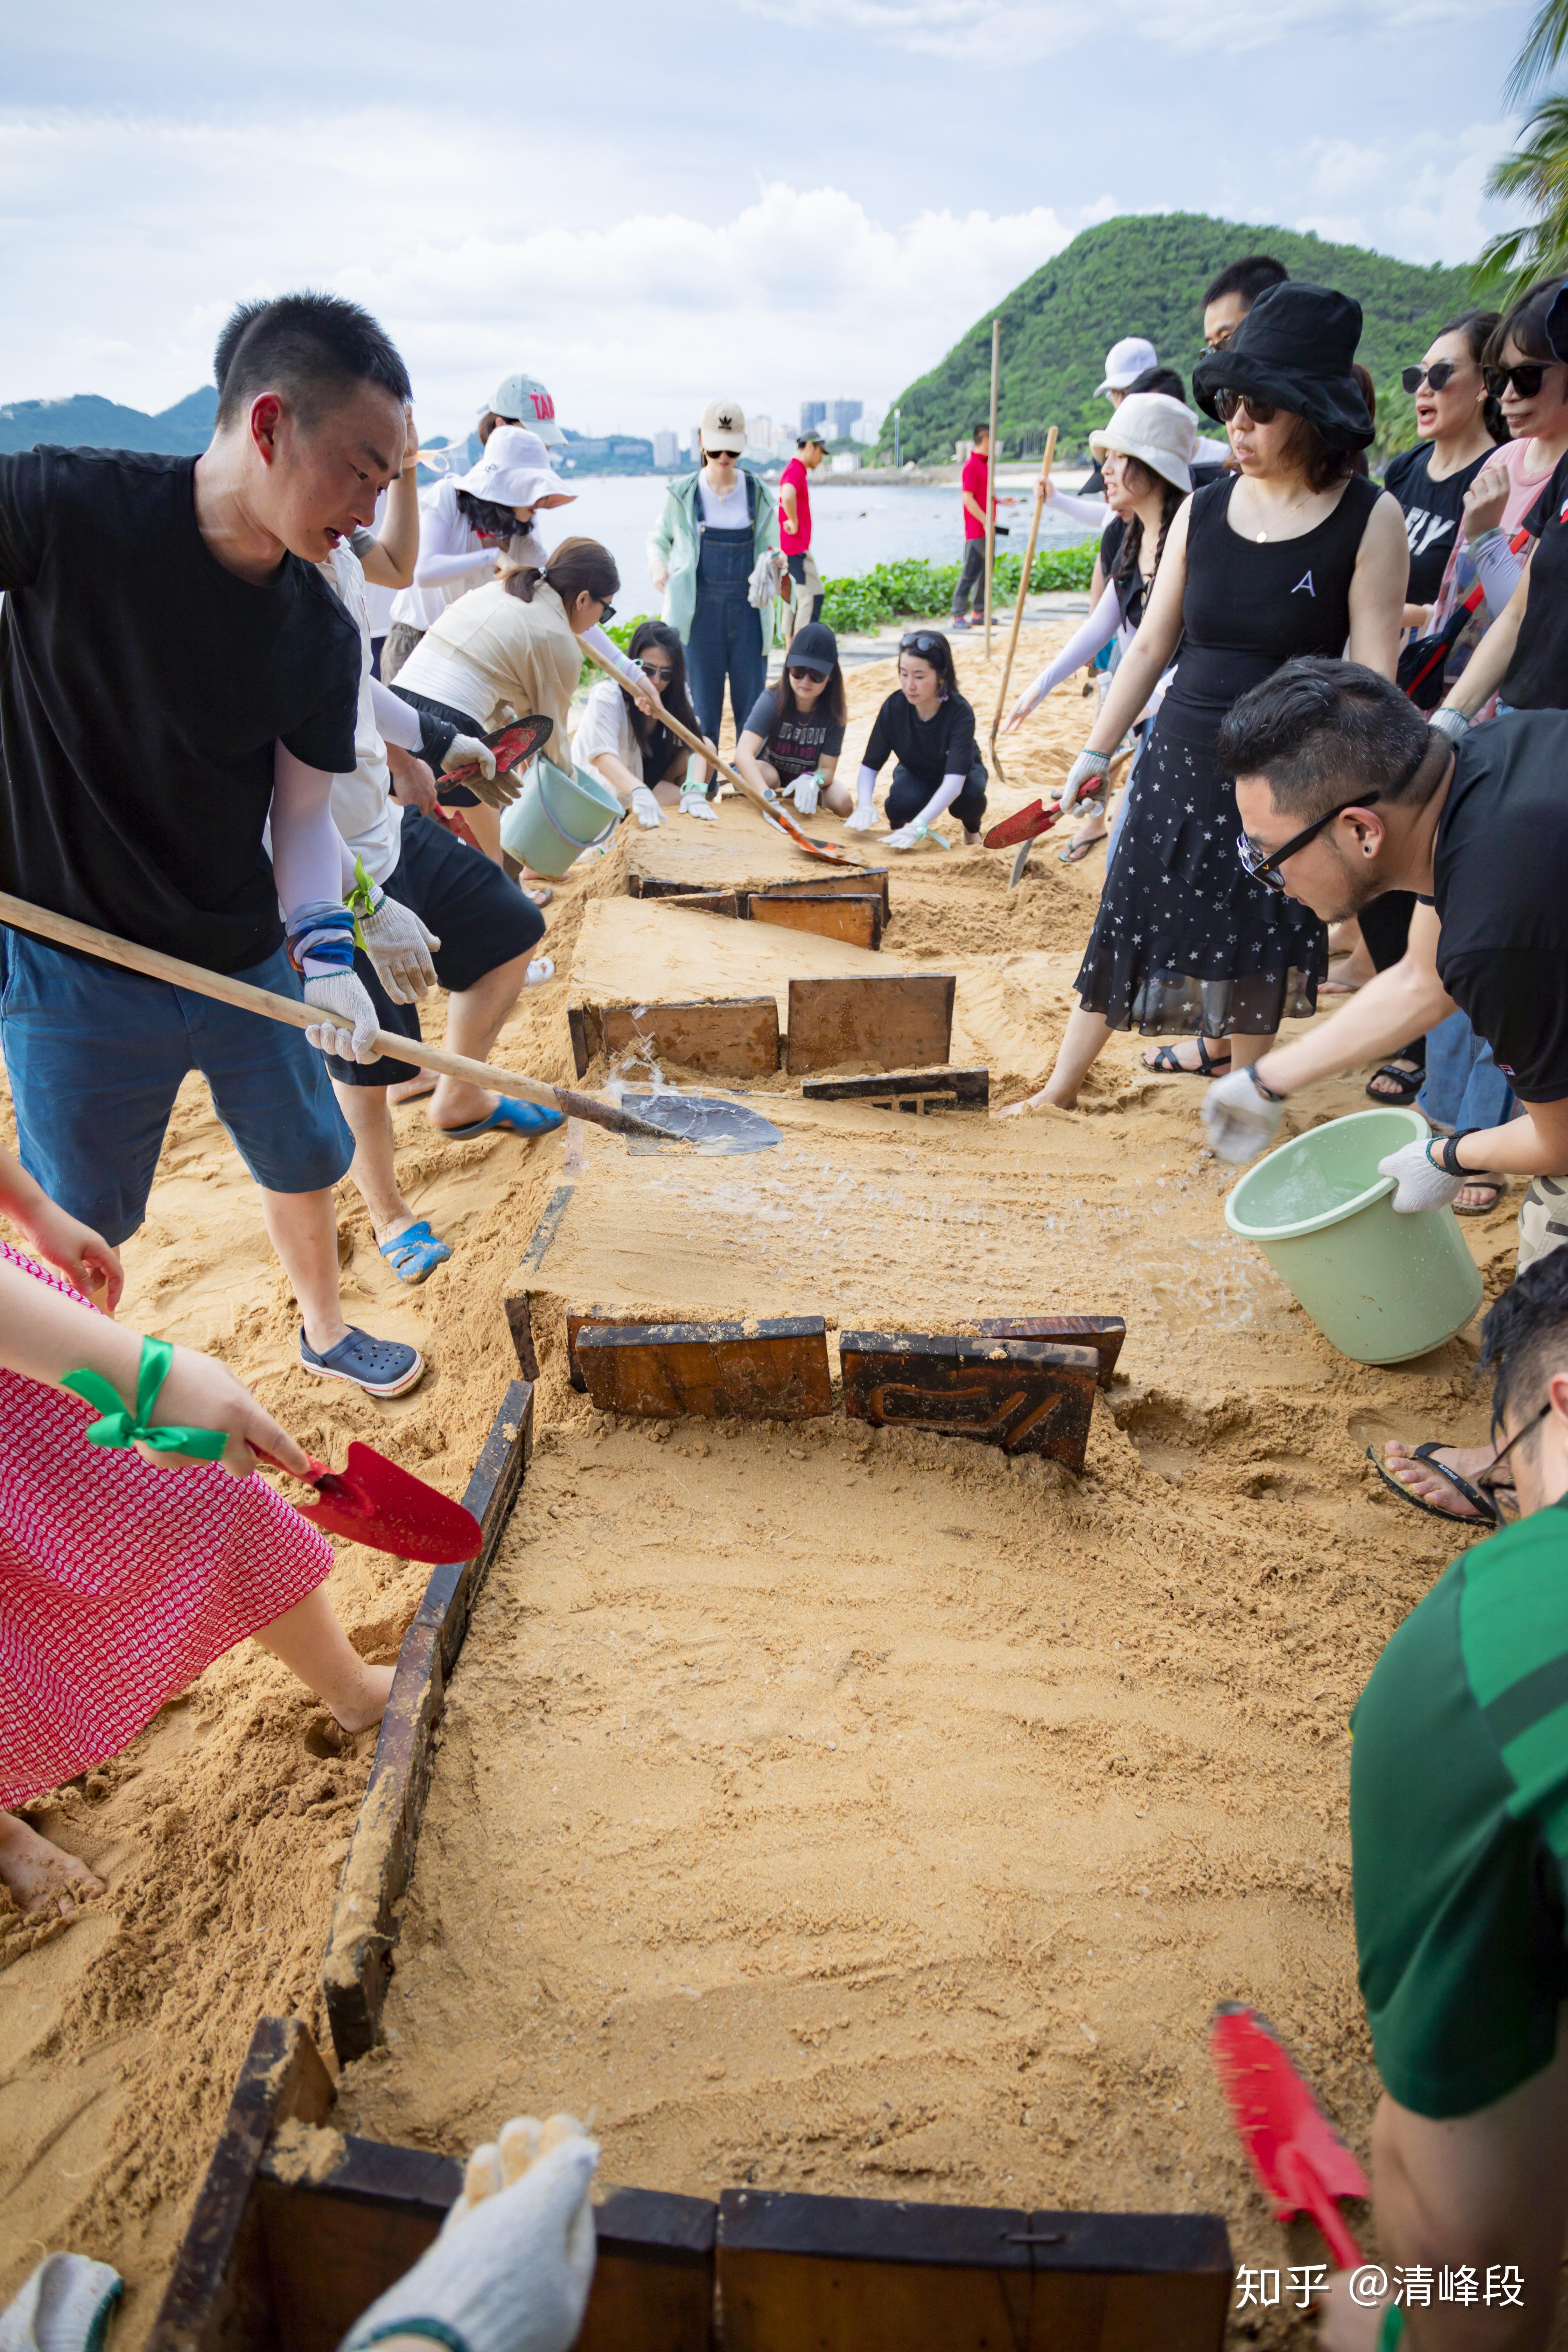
{"points": [[909, 836], [467, 754], [348, 1022], [1420, 1184], [511, 2268], [863, 821], [1241, 1120], [399, 945], [696, 804], [1086, 775], [807, 792], [646, 808]]}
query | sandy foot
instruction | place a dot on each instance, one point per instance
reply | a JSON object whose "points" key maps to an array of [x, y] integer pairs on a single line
{"points": [[375, 1684], [1422, 1479], [41, 1877]]}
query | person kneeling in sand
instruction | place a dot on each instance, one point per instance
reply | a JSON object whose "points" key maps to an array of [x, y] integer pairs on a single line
{"points": [[791, 740], [929, 729], [124, 1572], [619, 736]]}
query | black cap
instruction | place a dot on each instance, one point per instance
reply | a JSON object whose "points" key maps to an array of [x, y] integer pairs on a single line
{"points": [[815, 648], [1557, 324]]}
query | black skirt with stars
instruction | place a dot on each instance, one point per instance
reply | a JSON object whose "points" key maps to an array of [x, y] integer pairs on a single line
{"points": [[1186, 941]]}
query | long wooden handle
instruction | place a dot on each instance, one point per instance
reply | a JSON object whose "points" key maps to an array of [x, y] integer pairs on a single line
{"points": [[1024, 578], [66, 933]]}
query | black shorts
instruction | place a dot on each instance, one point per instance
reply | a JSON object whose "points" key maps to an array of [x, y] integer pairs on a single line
{"points": [[907, 795], [438, 723], [481, 920]]}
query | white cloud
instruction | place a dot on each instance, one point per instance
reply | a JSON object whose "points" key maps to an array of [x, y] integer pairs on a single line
{"points": [[1027, 32], [1421, 197]]}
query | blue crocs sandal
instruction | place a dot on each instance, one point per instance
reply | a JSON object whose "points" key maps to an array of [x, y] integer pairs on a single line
{"points": [[416, 1252], [522, 1118], [380, 1367]]}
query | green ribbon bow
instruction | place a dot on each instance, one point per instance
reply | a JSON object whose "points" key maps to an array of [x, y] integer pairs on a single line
{"points": [[360, 901], [118, 1427]]}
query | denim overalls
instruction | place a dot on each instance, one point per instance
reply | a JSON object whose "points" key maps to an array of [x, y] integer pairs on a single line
{"points": [[726, 630]]}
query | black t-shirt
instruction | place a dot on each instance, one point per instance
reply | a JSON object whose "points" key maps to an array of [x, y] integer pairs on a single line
{"points": [[1432, 514], [1499, 882], [797, 744], [142, 687], [1538, 674], [931, 749]]}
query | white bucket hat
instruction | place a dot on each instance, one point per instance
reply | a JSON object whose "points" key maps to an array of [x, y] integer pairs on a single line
{"points": [[1160, 432], [1125, 362], [514, 471]]}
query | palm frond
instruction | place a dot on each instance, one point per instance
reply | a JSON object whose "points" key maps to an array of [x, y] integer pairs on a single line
{"points": [[1539, 52], [1535, 175]]}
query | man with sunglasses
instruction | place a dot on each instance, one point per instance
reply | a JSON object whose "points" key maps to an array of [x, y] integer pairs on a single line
{"points": [[1346, 792], [1458, 1842]]}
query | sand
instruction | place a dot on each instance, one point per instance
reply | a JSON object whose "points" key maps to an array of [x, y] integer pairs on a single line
{"points": [[1227, 1535]]}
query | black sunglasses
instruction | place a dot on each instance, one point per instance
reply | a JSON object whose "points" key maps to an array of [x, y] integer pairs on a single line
{"points": [[1266, 868], [815, 675], [1440, 373], [1499, 1487], [1526, 379], [607, 612], [1228, 402], [924, 642]]}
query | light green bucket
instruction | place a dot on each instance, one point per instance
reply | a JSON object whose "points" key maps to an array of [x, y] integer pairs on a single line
{"points": [[556, 816], [1383, 1287]]}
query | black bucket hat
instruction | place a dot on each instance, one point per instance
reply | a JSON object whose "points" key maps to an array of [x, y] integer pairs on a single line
{"points": [[1294, 348]]}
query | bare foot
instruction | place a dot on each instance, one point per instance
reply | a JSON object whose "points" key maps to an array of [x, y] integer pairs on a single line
{"points": [[1421, 1478], [410, 1089], [370, 1703], [1044, 1100], [43, 1878]]}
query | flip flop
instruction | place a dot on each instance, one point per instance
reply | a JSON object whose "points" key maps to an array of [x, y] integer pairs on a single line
{"points": [[1075, 850], [380, 1367], [415, 1253], [1409, 1083], [1486, 1512], [541, 898], [1165, 1061], [1479, 1208], [521, 1117]]}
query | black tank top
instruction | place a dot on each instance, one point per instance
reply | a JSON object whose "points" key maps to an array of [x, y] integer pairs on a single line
{"points": [[1249, 606]]}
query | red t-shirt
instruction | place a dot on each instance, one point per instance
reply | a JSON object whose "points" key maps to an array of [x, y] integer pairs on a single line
{"points": [[976, 473], [796, 543]]}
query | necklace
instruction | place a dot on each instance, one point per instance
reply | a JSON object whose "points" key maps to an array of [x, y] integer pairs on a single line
{"points": [[1261, 537]]}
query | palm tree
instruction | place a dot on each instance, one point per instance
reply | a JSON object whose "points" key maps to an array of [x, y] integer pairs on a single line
{"points": [[1536, 173]]}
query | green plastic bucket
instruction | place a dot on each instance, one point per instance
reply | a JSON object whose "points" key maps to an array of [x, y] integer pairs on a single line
{"points": [[1381, 1286], [558, 815]]}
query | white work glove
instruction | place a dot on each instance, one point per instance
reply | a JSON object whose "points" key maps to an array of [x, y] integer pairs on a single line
{"points": [[1420, 1185], [645, 807], [511, 2269], [495, 791], [65, 2307], [1240, 1119], [699, 804], [807, 792], [1087, 774], [398, 944], [350, 1023], [1451, 723], [863, 821], [911, 836]]}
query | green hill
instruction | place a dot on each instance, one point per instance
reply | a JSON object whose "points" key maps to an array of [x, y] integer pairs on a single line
{"points": [[1144, 275], [86, 421]]}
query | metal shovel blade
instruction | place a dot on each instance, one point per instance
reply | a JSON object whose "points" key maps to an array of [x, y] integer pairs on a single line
{"points": [[707, 1120], [374, 1501], [1301, 2161]]}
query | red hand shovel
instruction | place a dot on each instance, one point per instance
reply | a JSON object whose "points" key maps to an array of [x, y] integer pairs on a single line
{"points": [[1301, 2162], [1024, 825], [372, 1501]]}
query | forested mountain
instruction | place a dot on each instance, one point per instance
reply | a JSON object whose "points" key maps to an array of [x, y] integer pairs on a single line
{"points": [[1144, 275], [86, 421]]}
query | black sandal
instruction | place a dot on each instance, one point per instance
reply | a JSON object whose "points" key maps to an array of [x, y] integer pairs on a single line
{"points": [[1406, 1087], [1486, 1512], [1165, 1061]]}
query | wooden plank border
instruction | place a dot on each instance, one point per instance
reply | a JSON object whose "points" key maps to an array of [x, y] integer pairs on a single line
{"points": [[358, 1962]]}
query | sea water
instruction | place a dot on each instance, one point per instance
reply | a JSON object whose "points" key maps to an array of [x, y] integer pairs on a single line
{"points": [[1301, 1188]]}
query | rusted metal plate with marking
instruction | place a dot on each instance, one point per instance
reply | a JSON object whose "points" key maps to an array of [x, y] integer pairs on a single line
{"points": [[776, 1368], [869, 1021], [1103, 1333], [1024, 1395], [728, 1037]]}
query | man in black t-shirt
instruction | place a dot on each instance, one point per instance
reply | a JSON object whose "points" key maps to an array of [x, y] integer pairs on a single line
{"points": [[173, 672]]}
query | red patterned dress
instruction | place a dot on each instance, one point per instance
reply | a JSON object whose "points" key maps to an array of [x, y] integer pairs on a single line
{"points": [[119, 1582]]}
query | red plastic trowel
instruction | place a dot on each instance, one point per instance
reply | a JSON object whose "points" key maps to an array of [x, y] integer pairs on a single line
{"points": [[1301, 2163], [374, 1501]]}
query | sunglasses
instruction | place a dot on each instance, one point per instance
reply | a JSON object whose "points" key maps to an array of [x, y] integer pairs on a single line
{"points": [[811, 676], [656, 669], [1525, 380], [1264, 866], [924, 642], [1230, 403], [1503, 1491], [607, 612], [1440, 373]]}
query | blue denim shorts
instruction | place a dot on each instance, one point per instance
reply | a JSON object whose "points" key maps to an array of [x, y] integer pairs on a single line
{"points": [[95, 1057]]}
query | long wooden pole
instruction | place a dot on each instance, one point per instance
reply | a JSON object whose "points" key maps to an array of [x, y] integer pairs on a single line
{"points": [[219, 985], [1023, 591], [990, 481]]}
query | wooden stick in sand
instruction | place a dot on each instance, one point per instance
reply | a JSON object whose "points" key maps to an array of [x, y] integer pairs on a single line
{"points": [[273, 1007], [1023, 591], [705, 750], [991, 454]]}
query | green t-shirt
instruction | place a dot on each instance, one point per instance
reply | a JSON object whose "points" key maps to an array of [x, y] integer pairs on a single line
{"points": [[1460, 1826]]}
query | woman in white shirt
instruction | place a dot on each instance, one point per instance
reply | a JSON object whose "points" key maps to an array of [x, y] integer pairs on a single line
{"points": [[466, 524], [626, 746]]}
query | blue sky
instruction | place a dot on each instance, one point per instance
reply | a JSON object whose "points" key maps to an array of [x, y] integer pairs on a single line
{"points": [[778, 199]]}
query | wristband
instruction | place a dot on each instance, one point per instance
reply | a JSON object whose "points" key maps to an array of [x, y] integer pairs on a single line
{"points": [[1448, 1158], [1267, 1092], [322, 936], [364, 897], [1449, 722]]}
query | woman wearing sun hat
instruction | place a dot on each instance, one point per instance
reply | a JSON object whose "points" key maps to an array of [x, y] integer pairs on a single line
{"points": [[1293, 554], [709, 554], [466, 523], [1145, 451]]}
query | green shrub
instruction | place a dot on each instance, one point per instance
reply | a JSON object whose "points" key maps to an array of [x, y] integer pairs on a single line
{"points": [[915, 589]]}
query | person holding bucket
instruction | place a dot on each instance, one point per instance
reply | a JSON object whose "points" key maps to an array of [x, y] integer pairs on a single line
{"points": [[712, 554], [1346, 792]]}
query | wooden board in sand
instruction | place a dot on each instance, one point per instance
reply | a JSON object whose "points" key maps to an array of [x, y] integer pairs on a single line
{"points": [[740, 851]]}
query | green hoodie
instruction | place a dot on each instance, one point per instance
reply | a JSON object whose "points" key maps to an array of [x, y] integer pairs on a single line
{"points": [[674, 545]]}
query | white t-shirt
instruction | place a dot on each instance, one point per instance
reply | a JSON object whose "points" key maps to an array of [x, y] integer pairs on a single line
{"points": [[726, 512], [363, 810], [452, 558], [606, 726], [378, 600]]}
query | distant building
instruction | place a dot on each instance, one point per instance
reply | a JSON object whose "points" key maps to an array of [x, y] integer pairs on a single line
{"points": [[867, 429], [783, 441], [665, 451], [844, 461], [812, 411], [845, 415], [759, 437]]}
